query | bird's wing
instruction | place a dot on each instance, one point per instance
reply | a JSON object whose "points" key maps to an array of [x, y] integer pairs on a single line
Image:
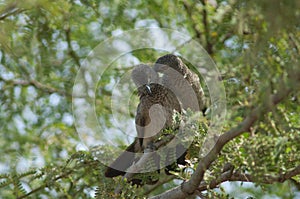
{"points": [[184, 82]]}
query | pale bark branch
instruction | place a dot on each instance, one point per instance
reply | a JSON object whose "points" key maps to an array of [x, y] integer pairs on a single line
{"points": [[189, 187], [242, 177], [165, 179]]}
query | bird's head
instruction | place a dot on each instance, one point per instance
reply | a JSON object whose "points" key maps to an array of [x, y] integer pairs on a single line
{"points": [[143, 74]]}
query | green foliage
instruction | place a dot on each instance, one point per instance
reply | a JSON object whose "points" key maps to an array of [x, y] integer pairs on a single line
{"points": [[255, 45]]}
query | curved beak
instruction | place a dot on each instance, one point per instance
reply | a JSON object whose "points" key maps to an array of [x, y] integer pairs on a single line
{"points": [[148, 89]]}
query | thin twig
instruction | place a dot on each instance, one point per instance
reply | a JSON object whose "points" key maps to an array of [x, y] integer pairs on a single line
{"points": [[10, 10], [209, 46], [72, 53], [36, 84]]}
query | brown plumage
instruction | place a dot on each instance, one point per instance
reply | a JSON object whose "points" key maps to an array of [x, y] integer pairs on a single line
{"points": [[154, 113], [179, 88], [183, 82]]}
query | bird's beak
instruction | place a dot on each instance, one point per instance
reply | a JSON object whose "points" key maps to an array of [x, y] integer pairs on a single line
{"points": [[148, 89]]}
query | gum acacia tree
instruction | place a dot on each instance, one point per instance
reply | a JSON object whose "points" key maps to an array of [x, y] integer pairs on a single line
{"points": [[255, 45]]}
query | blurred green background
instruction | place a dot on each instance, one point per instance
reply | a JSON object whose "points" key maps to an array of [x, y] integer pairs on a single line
{"points": [[255, 45]]}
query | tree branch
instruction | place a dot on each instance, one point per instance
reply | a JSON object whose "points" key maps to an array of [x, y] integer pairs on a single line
{"points": [[10, 10], [44, 185], [242, 177], [35, 84], [267, 179], [166, 178], [189, 187], [209, 46], [71, 50]]}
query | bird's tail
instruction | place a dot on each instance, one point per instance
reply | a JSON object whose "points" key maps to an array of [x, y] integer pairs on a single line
{"points": [[123, 162], [126, 159]]}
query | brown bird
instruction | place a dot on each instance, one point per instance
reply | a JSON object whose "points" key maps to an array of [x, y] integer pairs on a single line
{"points": [[154, 113], [182, 81]]}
